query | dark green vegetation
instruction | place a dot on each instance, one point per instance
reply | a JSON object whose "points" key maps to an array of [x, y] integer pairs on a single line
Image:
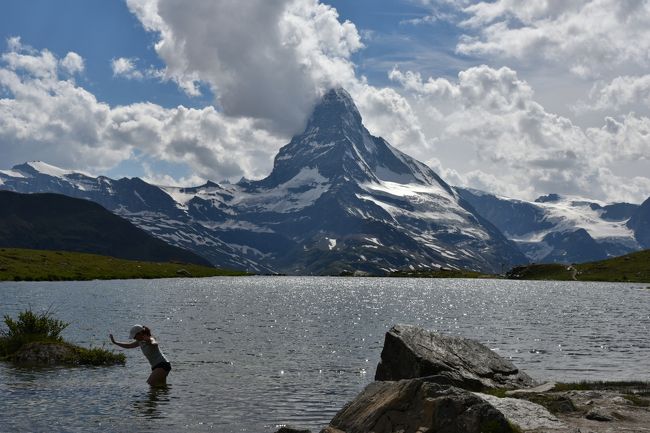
{"points": [[60, 223], [635, 386], [35, 338], [38, 265], [441, 273], [636, 392], [630, 268]]}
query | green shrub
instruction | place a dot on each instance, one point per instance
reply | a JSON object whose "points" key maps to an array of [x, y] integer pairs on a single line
{"points": [[41, 326], [43, 329], [28, 328]]}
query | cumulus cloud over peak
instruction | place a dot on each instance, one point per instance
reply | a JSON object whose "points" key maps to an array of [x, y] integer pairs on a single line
{"points": [[262, 59]]}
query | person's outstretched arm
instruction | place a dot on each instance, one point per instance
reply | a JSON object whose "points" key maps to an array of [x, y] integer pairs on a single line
{"points": [[132, 345]]}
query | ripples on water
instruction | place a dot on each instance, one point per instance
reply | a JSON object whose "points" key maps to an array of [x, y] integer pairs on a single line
{"points": [[250, 354]]}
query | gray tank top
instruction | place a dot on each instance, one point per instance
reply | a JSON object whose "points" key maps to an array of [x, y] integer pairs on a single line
{"points": [[153, 353]]}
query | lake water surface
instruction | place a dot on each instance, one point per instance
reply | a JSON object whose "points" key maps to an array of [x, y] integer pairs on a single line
{"points": [[252, 353]]}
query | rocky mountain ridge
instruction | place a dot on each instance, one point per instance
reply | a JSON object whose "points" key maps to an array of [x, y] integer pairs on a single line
{"points": [[564, 229], [338, 199]]}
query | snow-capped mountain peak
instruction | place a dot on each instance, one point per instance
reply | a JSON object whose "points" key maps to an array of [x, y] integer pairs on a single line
{"points": [[337, 199]]}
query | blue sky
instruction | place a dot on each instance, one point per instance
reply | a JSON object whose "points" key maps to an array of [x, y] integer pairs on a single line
{"points": [[101, 30], [522, 99]]}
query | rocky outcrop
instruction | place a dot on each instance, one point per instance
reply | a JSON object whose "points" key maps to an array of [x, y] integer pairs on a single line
{"points": [[62, 353], [290, 429], [43, 354], [443, 401], [417, 405], [525, 414], [411, 352]]}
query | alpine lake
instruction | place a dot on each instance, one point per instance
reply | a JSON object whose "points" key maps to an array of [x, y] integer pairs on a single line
{"points": [[250, 354]]}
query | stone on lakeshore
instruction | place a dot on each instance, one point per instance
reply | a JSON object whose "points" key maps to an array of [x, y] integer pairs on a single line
{"points": [[525, 414], [416, 405], [545, 387], [596, 415], [411, 352], [291, 429]]}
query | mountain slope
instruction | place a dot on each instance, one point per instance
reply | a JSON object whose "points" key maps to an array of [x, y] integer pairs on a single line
{"points": [[149, 207], [338, 199], [342, 199], [563, 229], [640, 223], [57, 222]]}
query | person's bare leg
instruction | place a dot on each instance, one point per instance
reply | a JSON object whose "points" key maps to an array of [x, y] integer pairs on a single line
{"points": [[158, 377]]}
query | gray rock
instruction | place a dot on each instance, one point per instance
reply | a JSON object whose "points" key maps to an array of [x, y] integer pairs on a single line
{"points": [[290, 429], [411, 352], [545, 387], [416, 405], [596, 415], [525, 414]]}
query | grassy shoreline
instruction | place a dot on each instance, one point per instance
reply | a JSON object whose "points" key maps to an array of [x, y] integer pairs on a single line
{"points": [[18, 264], [630, 268]]}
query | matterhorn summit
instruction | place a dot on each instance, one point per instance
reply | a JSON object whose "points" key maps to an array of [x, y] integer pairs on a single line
{"points": [[337, 200]]}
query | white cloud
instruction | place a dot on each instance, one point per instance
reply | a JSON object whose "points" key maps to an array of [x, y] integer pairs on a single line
{"points": [[54, 119], [589, 37], [73, 63], [262, 59], [628, 138], [504, 141], [621, 92], [125, 67]]}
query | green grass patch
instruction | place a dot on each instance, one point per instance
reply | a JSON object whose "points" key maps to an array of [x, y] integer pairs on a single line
{"points": [[18, 264], [630, 268], [37, 336], [496, 392], [637, 400], [627, 386]]}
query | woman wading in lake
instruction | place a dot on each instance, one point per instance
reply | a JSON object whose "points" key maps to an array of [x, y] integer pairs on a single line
{"points": [[160, 366]]}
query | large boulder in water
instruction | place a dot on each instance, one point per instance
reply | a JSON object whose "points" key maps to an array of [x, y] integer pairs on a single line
{"points": [[411, 352], [416, 405]]}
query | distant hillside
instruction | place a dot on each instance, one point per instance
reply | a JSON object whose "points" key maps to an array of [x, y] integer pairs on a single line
{"points": [[61, 223], [38, 265], [632, 268]]}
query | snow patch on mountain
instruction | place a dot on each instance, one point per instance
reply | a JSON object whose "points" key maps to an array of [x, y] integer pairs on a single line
{"points": [[571, 213], [232, 224], [295, 194], [48, 169], [178, 195], [13, 173]]}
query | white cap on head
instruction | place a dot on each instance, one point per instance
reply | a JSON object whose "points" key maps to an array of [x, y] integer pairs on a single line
{"points": [[135, 329]]}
